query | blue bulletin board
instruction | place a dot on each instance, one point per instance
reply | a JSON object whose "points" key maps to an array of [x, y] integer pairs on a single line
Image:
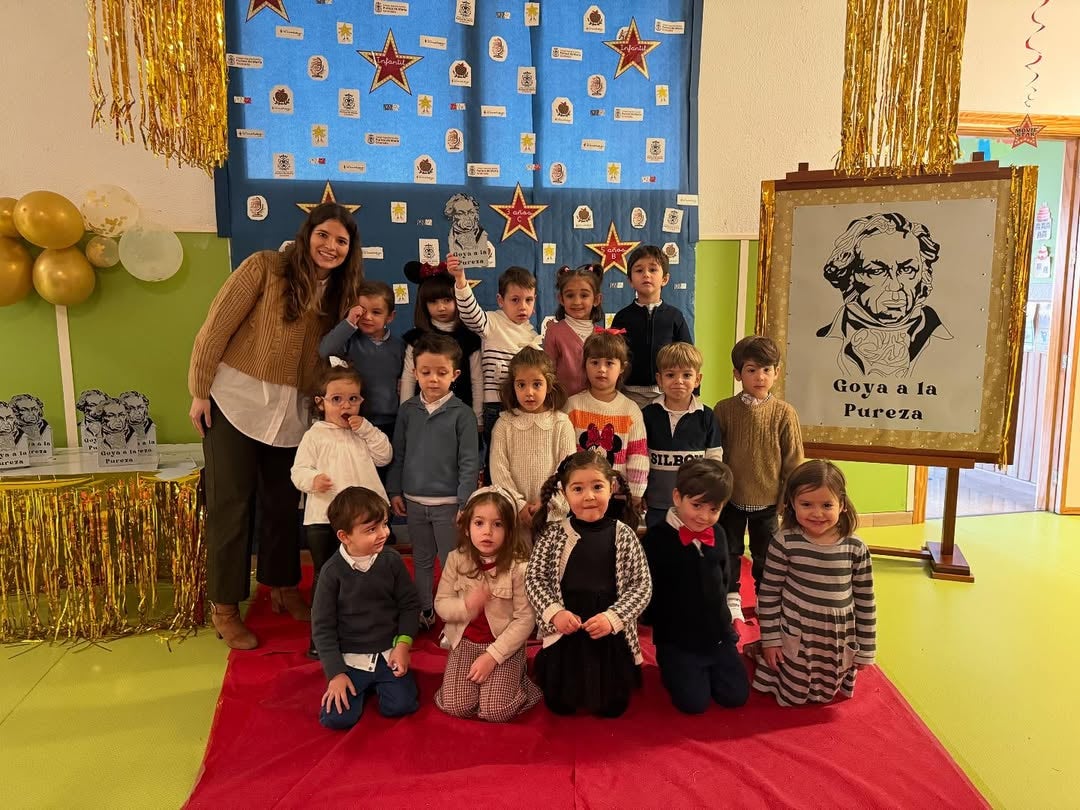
{"points": [[568, 127]]}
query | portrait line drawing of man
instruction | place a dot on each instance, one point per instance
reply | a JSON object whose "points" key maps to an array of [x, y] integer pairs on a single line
{"points": [[467, 240], [883, 266]]}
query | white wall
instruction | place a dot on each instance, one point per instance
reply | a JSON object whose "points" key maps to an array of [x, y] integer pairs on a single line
{"points": [[771, 75]]}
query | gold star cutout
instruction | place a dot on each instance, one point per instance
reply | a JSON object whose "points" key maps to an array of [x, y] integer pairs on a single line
{"points": [[398, 209], [344, 30], [1026, 132], [276, 6], [527, 140], [318, 132], [612, 252], [613, 171], [662, 93], [390, 65], [425, 104], [519, 215], [632, 51], [327, 196]]}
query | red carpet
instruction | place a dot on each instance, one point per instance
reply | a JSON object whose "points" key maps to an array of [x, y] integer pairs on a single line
{"points": [[267, 748]]}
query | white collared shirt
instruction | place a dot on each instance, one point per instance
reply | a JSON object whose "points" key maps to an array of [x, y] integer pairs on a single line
{"points": [[362, 661], [752, 401], [434, 406], [675, 416], [267, 412], [676, 523]]}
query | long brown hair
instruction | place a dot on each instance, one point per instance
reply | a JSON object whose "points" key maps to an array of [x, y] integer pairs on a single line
{"points": [[811, 475], [531, 357], [301, 277], [513, 548]]}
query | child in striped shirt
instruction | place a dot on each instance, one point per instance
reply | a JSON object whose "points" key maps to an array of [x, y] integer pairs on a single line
{"points": [[606, 421], [503, 332]]}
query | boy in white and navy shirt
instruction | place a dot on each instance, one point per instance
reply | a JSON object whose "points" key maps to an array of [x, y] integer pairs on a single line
{"points": [[677, 426]]}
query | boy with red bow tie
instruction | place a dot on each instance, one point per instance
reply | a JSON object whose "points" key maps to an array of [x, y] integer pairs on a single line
{"points": [[688, 561]]}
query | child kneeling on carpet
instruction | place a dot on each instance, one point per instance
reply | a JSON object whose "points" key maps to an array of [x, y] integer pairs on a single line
{"points": [[365, 615], [816, 602], [688, 560], [488, 617], [588, 581]]}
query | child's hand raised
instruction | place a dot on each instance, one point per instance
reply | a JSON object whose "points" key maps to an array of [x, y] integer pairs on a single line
{"points": [[456, 271], [322, 483], [355, 314], [566, 622], [398, 504], [337, 693], [774, 657], [481, 668], [476, 599], [598, 626], [355, 422]]}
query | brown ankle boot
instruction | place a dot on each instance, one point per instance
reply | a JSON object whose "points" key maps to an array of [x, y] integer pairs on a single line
{"points": [[231, 628], [289, 599]]}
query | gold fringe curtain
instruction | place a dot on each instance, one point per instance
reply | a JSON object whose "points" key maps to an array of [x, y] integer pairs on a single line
{"points": [[171, 56], [84, 558], [765, 246], [901, 87]]}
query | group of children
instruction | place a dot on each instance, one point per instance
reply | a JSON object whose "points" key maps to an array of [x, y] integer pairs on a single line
{"points": [[577, 438]]}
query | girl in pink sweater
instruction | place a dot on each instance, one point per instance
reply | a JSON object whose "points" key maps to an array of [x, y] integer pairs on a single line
{"points": [[577, 316]]}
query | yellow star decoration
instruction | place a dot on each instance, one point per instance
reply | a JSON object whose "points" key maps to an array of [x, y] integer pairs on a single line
{"points": [[612, 251], [398, 209], [613, 171], [632, 51], [344, 30], [327, 196], [662, 93], [528, 141], [519, 215], [425, 104], [318, 132]]}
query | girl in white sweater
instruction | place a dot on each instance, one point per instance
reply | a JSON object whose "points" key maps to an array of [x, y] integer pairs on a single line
{"points": [[532, 435], [340, 450]]}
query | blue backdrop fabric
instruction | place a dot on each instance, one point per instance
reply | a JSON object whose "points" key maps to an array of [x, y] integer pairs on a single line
{"points": [[395, 107]]}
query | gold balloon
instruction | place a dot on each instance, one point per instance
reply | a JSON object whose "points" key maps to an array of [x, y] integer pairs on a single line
{"points": [[7, 225], [48, 219], [63, 277], [102, 251], [15, 271]]}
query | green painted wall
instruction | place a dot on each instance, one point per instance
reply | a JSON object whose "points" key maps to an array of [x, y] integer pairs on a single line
{"points": [[873, 487]]}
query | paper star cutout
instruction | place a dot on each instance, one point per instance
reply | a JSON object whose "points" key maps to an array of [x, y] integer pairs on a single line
{"points": [[398, 209], [344, 30], [327, 196], [632, 50], [425, 104], [519, 215], [662, 93], [1025, 132], [276, 6], [390, 65], [613, 251], [527, 141], [318, 132]]}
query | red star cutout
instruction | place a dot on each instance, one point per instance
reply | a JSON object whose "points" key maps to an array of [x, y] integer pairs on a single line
{"points": [[327, 196], [1025, 132], [519, 215], [276, 6], [390, 64], [632, 50], [613, 251]]}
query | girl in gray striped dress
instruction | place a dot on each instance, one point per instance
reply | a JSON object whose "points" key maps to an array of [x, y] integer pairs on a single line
{"points": [[816, 603]]}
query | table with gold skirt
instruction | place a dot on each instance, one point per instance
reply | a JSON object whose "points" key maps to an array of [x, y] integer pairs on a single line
{"points": [[88, 555]]}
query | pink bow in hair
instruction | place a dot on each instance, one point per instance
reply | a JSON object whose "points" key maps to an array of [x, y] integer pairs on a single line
{"points": [[600, 330]]}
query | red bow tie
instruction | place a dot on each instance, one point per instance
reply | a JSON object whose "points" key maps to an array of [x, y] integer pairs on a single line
{"points": [[705, 536]]}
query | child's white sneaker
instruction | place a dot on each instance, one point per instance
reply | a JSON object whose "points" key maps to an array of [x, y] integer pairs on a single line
{"points": [[734, 605], [444, 642]]}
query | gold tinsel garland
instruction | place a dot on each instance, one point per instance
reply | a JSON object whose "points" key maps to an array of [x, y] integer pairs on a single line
{"points": [[175, 53], [901, 93], [82, 558]]}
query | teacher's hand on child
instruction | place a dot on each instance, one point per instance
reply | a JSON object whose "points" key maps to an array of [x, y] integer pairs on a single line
{"points": [[476, 599], [322, 483], [337, 693], [774, 656], [598, 626], [355, 422], [481, 668], [200, 414], [566, 622], [398, 504], [399, 659]]}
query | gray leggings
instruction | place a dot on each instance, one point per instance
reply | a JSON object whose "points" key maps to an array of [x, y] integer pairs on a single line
{"points": [[432, 530]]}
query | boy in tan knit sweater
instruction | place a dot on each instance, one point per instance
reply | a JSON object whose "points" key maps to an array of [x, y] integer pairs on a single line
{"points": [[762, 445]]}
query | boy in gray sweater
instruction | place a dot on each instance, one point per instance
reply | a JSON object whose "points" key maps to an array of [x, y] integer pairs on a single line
{"points": [[436, 462], [365, 615]]}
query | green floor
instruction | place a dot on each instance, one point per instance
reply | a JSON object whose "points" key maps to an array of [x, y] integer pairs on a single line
{"points": [[991, 668]]}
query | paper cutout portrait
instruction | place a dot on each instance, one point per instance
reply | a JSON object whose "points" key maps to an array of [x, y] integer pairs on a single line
{"points": [[89, 404], [883, 266], [14, 444], [467, 240], [30, 412], [138, 415]]}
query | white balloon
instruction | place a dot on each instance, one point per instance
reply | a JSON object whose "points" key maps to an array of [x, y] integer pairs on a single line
{"points": [[150, 252], [109, 210]]}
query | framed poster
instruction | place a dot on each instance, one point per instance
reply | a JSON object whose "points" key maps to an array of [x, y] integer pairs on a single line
{"points": [[899, 306]]}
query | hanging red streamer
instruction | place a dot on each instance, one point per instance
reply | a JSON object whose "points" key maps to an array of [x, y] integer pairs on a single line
{"points": [[1031, 85]]}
